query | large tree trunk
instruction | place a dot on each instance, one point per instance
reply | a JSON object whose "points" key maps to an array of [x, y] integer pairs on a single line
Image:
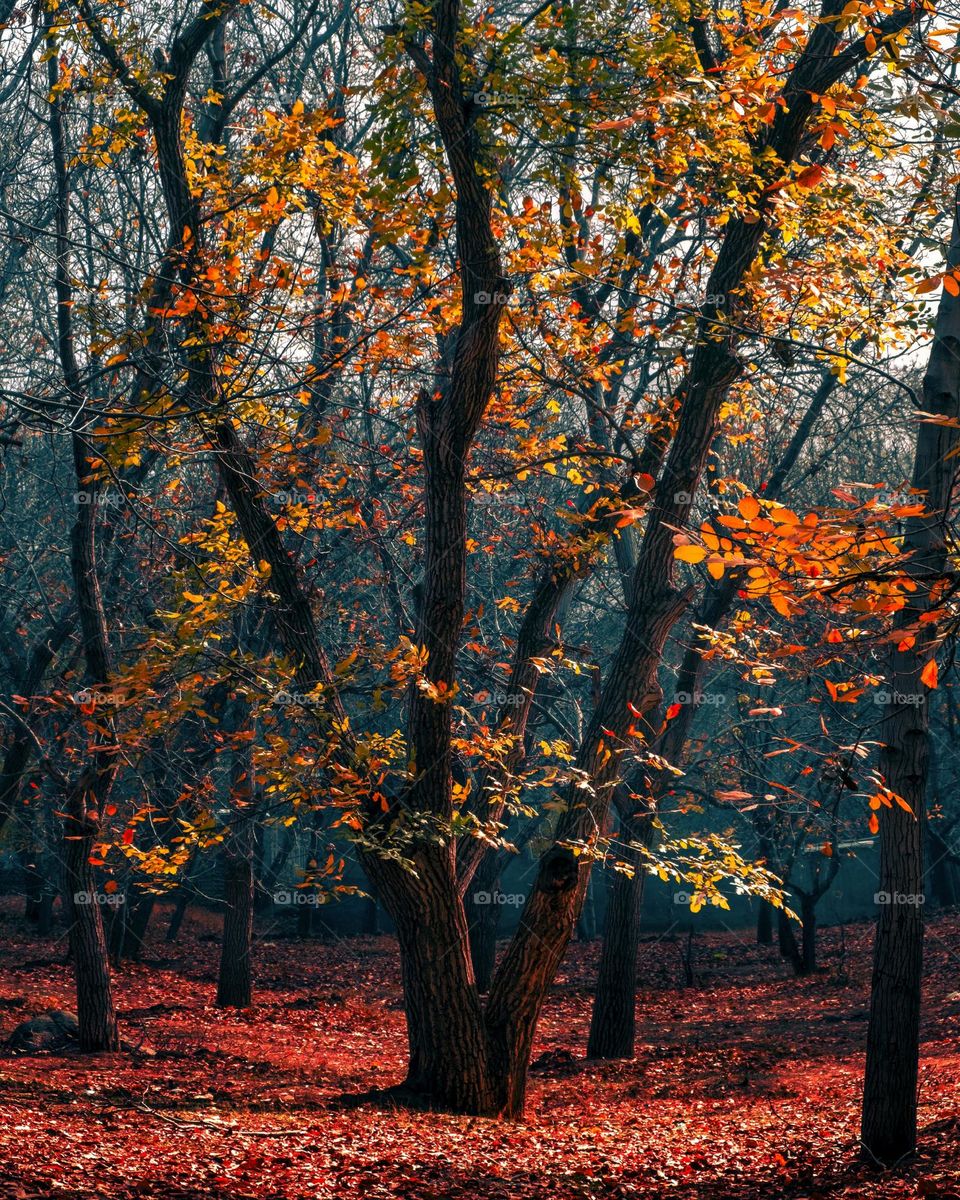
{"points": [[889, 1123], [448, 1052]]}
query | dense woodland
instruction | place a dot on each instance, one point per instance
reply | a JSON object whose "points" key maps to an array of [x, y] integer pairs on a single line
{"points": [[441, 437]]}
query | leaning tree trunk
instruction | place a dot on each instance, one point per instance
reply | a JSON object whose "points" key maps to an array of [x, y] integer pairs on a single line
{"points": [[889, 1122]]}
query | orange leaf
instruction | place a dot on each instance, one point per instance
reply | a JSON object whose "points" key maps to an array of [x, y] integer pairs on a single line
{"points": [[928, 676], [749, 508], [690, 554], [873, 824]]}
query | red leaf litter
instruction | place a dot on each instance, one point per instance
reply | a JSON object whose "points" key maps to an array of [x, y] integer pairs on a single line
{"points": [[744, 1085]]}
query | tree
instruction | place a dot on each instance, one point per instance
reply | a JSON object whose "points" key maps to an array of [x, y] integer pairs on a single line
{"points": [[889, 1119]]}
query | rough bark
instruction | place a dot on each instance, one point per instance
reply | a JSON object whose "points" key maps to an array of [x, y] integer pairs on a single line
{"points": [[889, 1120], [96, 1014]]}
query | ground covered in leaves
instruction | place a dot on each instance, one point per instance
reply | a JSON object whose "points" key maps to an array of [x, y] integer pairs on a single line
{"points": [[746, 1083]]}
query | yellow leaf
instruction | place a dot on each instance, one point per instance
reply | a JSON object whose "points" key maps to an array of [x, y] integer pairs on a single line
{"points": [[690, 554]]}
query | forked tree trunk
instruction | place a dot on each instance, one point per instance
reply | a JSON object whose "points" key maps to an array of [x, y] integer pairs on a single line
{"points": [[465, 1059], [889, 1122]]}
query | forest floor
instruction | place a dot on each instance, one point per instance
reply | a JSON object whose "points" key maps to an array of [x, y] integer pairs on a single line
{"points": [[745, 1084]]}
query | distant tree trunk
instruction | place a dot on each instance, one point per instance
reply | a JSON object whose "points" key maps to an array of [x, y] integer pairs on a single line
{"points": [[271, 873], [889, 1122], [32, 886], [808, 915], [765, 924], [234, 982], [134, 928], [235, 979], [787, 941], [307, 895], [371, 917], [587, 921], [943, 882], [176, 917], [483, 913]]}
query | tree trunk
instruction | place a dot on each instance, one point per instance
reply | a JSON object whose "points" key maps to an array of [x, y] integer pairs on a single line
{"points": [[234, 982], [613, 1021], [808, 956], [587, 921], [765, 924], [448, 1051], [134, 929], [889, 1121], [96, 1014], [787, 941], [484, 916]]}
